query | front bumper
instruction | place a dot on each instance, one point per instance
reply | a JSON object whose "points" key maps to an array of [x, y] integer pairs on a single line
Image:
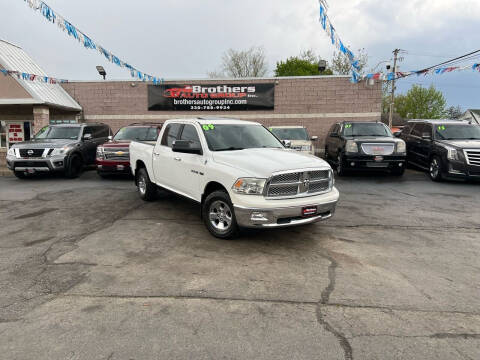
{"points": [[276, 217], [373, 162], [113, 167], [50, 164], [461, 170]]}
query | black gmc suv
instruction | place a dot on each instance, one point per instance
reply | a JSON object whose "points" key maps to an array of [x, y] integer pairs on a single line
{"points": [[352, 145], [445, 148], [62, 148]]}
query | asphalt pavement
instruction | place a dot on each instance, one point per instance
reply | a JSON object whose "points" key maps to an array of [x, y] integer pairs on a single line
{"points": [[89, 271]]}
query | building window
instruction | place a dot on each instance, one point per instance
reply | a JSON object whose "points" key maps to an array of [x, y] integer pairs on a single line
{"points": [[3, 134]]}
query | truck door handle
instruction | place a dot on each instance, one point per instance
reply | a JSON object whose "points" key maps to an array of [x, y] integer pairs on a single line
{"points": [[156, 154], [177, 159]]}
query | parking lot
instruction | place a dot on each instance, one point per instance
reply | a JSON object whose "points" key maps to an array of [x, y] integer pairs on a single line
{"points": [[89, 271]]}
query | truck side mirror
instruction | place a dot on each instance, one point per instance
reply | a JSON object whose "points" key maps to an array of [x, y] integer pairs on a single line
{"points": [[187, 147], [314, 138], [87, 137], [397, 133], [110, 137], [287, 143], [426, 136]]}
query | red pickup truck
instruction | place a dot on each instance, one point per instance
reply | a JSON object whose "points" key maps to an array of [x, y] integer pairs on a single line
{"points": [[113, 157]]}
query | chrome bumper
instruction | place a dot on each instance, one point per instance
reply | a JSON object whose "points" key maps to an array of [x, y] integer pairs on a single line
{"points": [[282, 217]]}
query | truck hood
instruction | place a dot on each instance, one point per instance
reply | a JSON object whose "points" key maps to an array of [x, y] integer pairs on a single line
{"points": [[117, 144], [44, 143], [377, 139], [300, 142], [264, 162], [462, 144]]}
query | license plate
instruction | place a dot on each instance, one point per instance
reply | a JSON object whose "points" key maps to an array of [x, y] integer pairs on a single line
{"points": [[378, 150], [377, 165], [30, 171], [309, 211], [378, 158]]}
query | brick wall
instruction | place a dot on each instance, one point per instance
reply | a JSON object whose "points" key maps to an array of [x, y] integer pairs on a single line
{"points": [[314, 102]]}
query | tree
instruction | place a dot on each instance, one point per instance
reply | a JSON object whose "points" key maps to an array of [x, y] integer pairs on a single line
{"points": [[454, 112], [306, 64], [242, 63], [341, 63], [421, 103]]}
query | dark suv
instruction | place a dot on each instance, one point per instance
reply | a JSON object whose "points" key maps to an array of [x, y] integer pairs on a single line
{"points": [[61, 148], [445, 148], [364, 146], [113, 157]]}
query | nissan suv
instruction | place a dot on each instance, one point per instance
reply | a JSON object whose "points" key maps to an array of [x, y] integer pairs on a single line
{"points": [[66, 148]]}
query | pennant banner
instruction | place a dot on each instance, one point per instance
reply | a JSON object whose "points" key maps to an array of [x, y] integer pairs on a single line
{"points": [[332, 34], [32, 77], [438, 71], [87, 42]]}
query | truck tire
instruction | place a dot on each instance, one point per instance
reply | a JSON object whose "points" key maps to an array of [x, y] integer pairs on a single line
{"points": [[435, 169], [219, 215], [340, 165], [74, 166], [146, 189]]}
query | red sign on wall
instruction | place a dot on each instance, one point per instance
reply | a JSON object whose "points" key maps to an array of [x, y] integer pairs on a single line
{"points": [[15, 133]]}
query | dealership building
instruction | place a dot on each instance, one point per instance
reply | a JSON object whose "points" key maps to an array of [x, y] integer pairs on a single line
{"points": [[315, 102]]}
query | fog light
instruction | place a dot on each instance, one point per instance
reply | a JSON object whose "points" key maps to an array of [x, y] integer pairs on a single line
{"points": [[58, 163], [352, 164], [259, 216], [401, 164]]}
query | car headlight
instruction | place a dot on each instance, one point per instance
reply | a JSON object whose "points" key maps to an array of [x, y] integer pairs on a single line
{"points": [[351, 147], [100, 152], [307, 148], [401, 147], [11, 152], [452, 154], [249, 186], [60, 151]]}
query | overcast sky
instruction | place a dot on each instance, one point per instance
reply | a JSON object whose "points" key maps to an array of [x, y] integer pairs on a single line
{"points": [[185, 39]]}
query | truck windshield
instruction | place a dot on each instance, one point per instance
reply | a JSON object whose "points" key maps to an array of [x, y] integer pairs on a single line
{"points": [[366, 129], [58, 132], [290, 133], [225, 137], [457, 132], [137, 133]]}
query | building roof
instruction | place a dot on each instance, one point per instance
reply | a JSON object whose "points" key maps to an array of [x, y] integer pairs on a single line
{"points": [[14, 58]]}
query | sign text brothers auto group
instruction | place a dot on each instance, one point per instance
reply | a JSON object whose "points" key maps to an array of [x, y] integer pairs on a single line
{"points": [[211, 97]]}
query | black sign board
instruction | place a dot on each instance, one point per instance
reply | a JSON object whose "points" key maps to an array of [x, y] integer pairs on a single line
{"points": [[211, 97]]}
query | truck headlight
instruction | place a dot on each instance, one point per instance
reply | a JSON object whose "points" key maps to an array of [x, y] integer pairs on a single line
{"points": [[452, 154], [249, 186], [401, 147], [60, 151], [11, 152], [351, 146], [100, 152]]}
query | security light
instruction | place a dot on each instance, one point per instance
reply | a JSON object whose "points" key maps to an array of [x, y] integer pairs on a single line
{"points": [[102, 71]]}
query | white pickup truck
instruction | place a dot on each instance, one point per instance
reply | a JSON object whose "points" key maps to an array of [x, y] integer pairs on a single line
{"points": [[238, 171]]}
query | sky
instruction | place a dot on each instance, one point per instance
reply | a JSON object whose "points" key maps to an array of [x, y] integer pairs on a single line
{"points": [[186, 39]]}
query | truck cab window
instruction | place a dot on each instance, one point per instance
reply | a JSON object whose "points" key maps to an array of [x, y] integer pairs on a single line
{"points": [[190, 133], [170, 134]]}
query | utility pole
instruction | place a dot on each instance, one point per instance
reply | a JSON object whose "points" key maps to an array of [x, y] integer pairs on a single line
{"points": [[392, 100]]}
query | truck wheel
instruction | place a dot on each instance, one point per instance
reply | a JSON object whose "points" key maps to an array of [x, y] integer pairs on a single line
{"points": [[219, 216], [326, 154], [20, 174], [435, 171], [74, 167], [340, 165], [146, 189]]}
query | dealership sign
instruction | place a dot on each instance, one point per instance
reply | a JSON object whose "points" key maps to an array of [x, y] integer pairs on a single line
{"points": [[211, 97], [15, 133]]}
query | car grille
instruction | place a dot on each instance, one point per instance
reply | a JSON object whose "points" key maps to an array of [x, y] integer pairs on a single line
{"points": [[378, 149], [473, 157], [31, 153], [32, 164], [299, 183], [121, 154]]}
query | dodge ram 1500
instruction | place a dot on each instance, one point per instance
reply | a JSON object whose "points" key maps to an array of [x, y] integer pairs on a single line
{"points": [[239, 172]]}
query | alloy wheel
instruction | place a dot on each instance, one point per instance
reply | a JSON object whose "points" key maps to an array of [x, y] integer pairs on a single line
{"points": [[220, 215]]}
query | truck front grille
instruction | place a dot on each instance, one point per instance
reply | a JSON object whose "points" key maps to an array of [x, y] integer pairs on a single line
{"points": [[31, 153], [299, 183], [120, 154], [378, 148], [473, 157]]}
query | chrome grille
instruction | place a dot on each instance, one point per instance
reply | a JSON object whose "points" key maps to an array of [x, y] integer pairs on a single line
{"points": [[121, 154], [299, 183], [473, 157], [31, 153], [378, 149]]}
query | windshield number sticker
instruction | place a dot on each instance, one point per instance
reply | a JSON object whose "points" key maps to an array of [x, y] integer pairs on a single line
{"points": [[208, 127], [442, 127], [348, 126]]}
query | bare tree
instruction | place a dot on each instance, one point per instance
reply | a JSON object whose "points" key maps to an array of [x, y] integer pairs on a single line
{"points": [[242, 63], [341, 64]]}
